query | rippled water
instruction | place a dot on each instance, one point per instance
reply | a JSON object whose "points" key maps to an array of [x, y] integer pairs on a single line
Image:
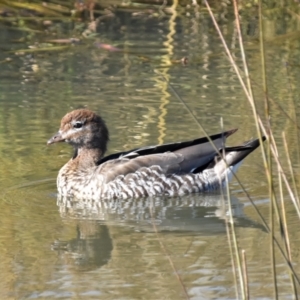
{"points": [[51, 248]]}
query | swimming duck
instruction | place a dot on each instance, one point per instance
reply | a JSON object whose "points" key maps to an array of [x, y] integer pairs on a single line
{"points": [[171, 169]]}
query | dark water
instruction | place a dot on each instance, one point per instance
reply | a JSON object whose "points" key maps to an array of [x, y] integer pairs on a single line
{"points": [[118, 250]]}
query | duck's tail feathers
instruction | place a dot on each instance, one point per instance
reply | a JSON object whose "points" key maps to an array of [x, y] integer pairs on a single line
{"points": [[232, 158]]}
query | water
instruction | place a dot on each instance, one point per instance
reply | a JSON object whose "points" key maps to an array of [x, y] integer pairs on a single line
{"points": [[119, 250]]}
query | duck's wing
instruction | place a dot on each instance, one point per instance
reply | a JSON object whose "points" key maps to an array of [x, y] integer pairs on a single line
{"points": [[219, 141], [168, 162], [178, 161], [232, 156], [174, 158]]}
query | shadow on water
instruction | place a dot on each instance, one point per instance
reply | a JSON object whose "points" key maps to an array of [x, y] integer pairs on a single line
{"points": [[90, 249]]}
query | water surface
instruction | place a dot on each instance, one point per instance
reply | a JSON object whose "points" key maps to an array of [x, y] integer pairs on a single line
{"points": [[119, 250]]}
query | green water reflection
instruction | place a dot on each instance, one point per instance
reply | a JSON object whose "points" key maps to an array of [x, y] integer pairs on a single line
{"points": [[51, 249]]}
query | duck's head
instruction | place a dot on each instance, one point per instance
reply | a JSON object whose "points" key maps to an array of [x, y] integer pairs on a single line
{"points": [[82, 128]]}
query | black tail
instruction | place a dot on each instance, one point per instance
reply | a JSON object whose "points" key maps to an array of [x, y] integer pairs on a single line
{"points": [[233, 157]]}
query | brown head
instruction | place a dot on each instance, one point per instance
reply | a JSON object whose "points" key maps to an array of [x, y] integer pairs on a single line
{"points": [[83, 129]]}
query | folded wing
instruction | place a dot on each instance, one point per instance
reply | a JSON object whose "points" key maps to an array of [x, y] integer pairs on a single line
{"points": [[176, 158]]}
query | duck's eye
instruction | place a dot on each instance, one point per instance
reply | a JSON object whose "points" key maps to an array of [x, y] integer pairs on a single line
{"points": [[77, 125]]}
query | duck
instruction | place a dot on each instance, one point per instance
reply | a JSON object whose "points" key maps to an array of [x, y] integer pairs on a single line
{"points": [[175, 169]]}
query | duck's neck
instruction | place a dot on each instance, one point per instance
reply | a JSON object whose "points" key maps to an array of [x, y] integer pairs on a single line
{"points": [[87, 157]]}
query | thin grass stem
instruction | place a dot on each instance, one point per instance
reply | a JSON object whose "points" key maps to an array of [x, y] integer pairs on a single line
{"points": [[295, 113], [268, 150], [233, 263], [285, 232], [259, 125], [239, 182], [245, 274], [233, 242], [290, 167]]}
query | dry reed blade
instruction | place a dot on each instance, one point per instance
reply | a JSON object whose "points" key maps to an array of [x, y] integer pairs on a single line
{"points": [[286, 234], [239, 182], [44, 49], [279, 164], [259, 126], [295, 113], [245, 273], [233, 264], [291, 168], [235, 244], [236, 69], [37, 7], [257, 117], [268, 150], [287, 240]]}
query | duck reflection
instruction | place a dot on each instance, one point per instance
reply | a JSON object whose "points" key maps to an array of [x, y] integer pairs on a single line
{"points": [[91, 248], [205, 214]]}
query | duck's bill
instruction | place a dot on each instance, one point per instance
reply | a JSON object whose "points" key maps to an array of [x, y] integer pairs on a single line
{"points": [[55, 139]]}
